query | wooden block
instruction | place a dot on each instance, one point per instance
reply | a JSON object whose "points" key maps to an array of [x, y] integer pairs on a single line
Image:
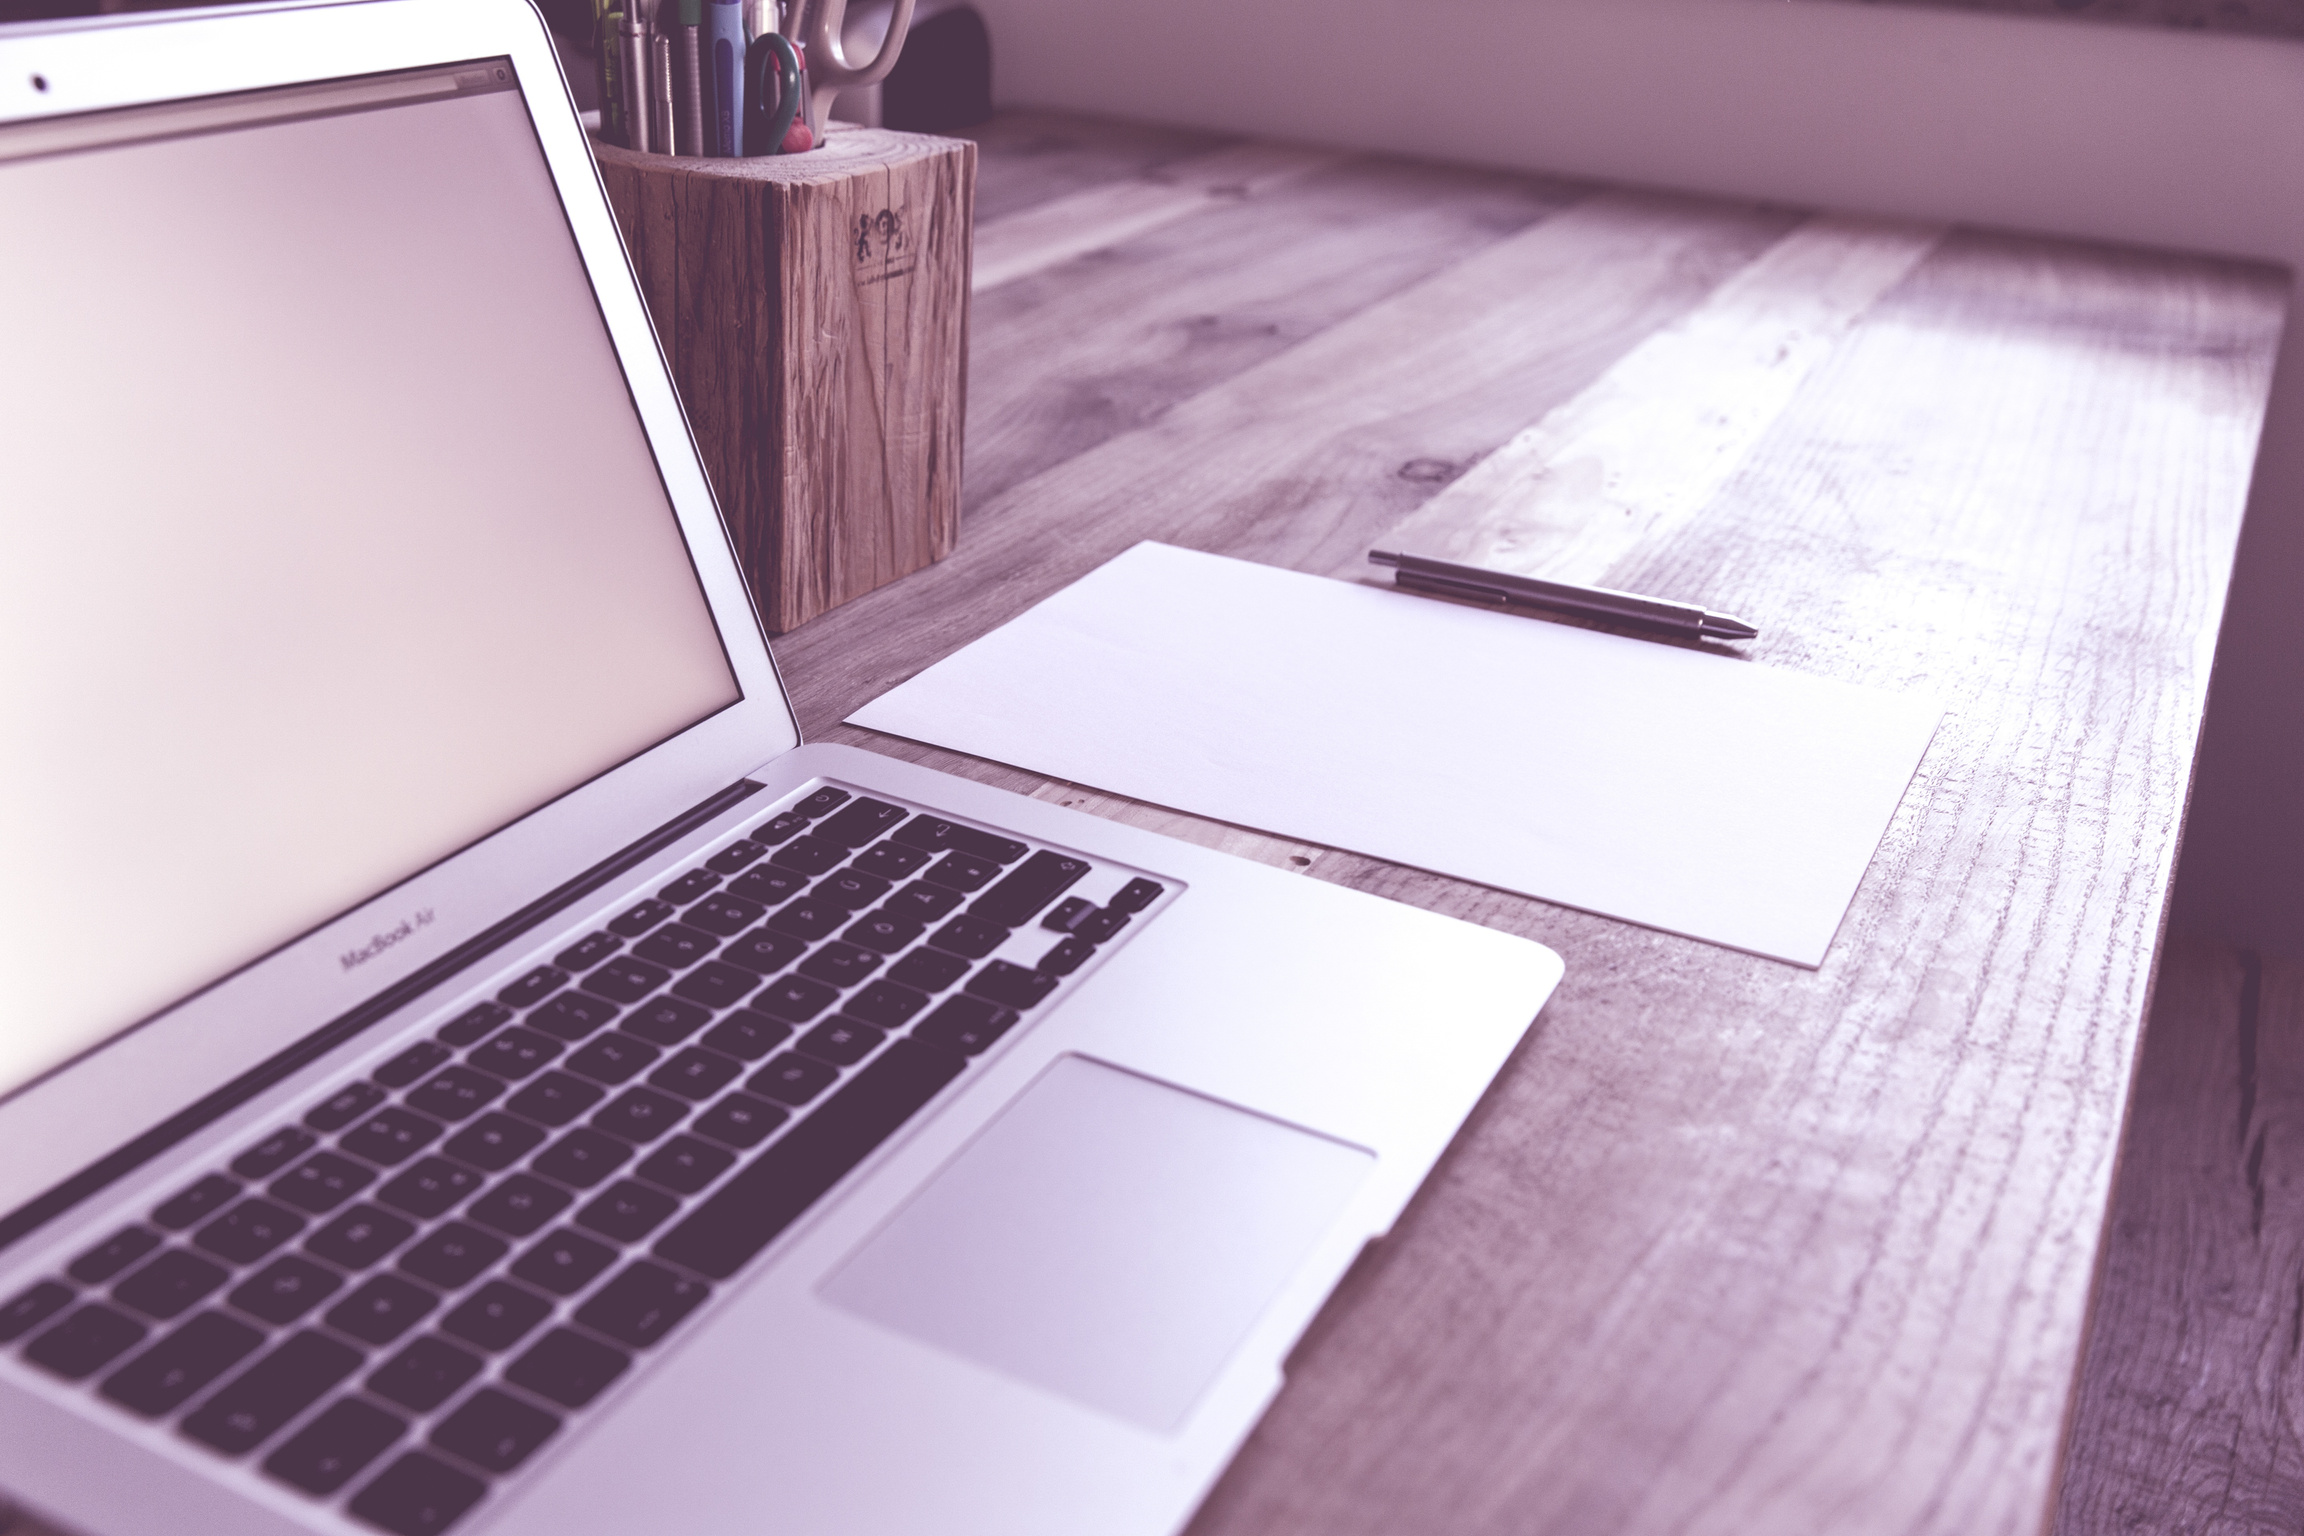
{"points": [[814, 309]]}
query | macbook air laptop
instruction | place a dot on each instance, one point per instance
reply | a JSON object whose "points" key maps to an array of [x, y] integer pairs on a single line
{"points": [[464, 1063]]}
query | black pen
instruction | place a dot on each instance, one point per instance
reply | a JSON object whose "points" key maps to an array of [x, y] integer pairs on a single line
{"points": [[1439, 578]]}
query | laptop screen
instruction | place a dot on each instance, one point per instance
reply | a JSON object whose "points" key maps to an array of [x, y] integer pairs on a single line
{"points": [[330, 541]]}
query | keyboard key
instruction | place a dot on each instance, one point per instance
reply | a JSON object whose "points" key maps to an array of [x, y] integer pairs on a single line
{"points": [[689, 887], [1135, 896], [779, 830], [859, 823], [473, 1024], [494, 1430], [271, 1392], [747, 1035], [31, 1307], [791, 1079], [514, 1053], [840, 965], [614, 1058], [211, 1194], [666, 1020], [555, 1099], [425, 1374], [884, 931], [1013, 985], [411, 1064], [563, 1263], [724, 916], [384, 1308], [1066, 914], [695, 1074], [642, 1304], [817, 804], [453, 1256], [418, 1495], [567, 1368], [851, 888], [960, 872], [285, 1289], [639, 1114], [519, 1205], [808, 918], [588, 951], [360, 1237], [765, 951], [249, 1230], [1024, 890], [495, 1316], [766, 1195], [326, 1454], [273, 1153], [626, 980], [795, 999], [626, 1211], [456, 1094], [322, 1182], [534, 987], [970, 936], [164, 1377], [740, 1120], [572, 1015], [1098, 926], [810, 855], [890, 861], [636, 921], [965, 1024], [493, 1142], [920, 902], [676, 945], [1065, 956], [936, 836], [769, 886], [685, 1165], [885, 1003], [113, 1255], [843, 1042], [170, 1284], [928, 970], [348, 1104], [392, 1135], [716, 984], [583, 1157], [735, 856], [86, 1340]]}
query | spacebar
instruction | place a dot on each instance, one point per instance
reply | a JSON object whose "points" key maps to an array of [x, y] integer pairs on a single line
{"points": [[724, 1232]]}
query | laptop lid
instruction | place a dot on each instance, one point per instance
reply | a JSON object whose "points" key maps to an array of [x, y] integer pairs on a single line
{"points": [[359, 583]]}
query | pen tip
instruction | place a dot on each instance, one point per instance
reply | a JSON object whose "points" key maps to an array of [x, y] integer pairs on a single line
{"points": [[1718, 626]]}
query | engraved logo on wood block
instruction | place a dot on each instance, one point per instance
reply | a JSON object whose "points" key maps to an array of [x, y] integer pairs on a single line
{"points": [[881, 237]]}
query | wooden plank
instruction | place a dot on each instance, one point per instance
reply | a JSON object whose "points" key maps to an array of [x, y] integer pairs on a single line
{"points": [[1029, 157]]}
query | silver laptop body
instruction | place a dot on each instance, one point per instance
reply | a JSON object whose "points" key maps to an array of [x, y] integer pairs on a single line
{"points": [[464, 1063]]}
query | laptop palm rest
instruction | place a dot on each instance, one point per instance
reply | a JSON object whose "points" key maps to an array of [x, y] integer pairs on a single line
{"points": [[1107, 1237]]}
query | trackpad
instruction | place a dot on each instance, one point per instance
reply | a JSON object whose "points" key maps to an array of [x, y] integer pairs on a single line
{"points": [[1107, 1237]]}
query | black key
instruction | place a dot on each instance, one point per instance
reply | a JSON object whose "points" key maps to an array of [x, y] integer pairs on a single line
{"points": [[588, 951], [810, 855], [494, 1430], [689, 887], [747, 1035], [519, 1205], [349, 1104], [162, 1378], [859, 823], [841, 965], [1015, 986], [613, 1058], [325, 1454], [564, 1263], [716, 984], [886, 1004], [453, 1256], [625, 979], [170, 1284], [456, 1093], [534, 987], [496, 1315], [1135, 896], [936, 836], [360, 1237], [638, 920], [965, 1024], [555, 1099], [795, 999], [890, 861], [642, 1304], [493, 1142], [770, 1192], [765, 950], [792, 1079], [970, 936], [960, 872], [1024, 890], [808, 918], [473, 1023], [816, 804], [249, 1230], [781, 829], [736, 856], [685, 1165], [572, 1015], [425, 1374], [29, 1308], [418, 1495], [638, 1114], [113, 1255], [920, 902], [412, 1064], [210, 1194], [273, 1153], [1066, 914], [322, 1182], [843, 1042], [677, 945], [582, 1158], [567, 1368], [1098, 926], [695, 1074], [666, 1020], [87, 1339], [514, 1053], [1066, 956], [851, 888], [393, 1135], [271, 1392], [929, 970], [723, 915], [769, 886], [627, 1211], [381, 1310], [739, 1120], [884, 931], [285, 1289]]}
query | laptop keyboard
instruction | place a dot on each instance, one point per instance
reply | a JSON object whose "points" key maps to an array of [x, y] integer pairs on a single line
{"points": [[400, 1297]]}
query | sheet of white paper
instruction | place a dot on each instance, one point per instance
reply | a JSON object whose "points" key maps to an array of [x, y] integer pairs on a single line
{"points": [[1707, 796]]}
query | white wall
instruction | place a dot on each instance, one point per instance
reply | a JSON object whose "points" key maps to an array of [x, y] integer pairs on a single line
{"points": [[2167, 138]]}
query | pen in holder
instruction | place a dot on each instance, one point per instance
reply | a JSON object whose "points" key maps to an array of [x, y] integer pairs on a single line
{"points": [[697, 77]]}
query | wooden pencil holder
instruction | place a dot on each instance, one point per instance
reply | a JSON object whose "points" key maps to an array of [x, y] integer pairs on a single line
{"points": [[815, 311]]}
